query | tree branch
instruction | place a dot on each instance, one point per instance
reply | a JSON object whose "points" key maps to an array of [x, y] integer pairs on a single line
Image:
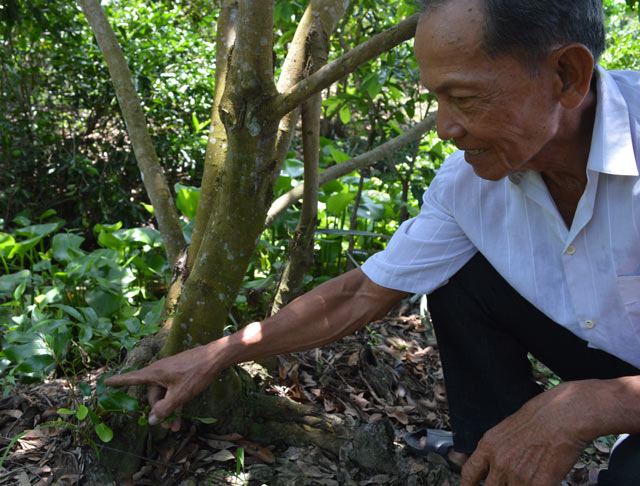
{"points": [[337, 171], [283, 103], [148, 163]]}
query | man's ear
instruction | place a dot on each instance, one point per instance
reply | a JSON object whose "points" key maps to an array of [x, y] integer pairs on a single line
{"points": [[573, 68]]}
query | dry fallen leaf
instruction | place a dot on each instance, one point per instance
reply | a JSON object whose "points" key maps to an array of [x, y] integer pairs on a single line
{"points": [[23, 479], [223, 456], [16, 414]]}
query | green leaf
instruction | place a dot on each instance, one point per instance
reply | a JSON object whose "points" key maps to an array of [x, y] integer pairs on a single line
{"points": [[23, 247], [86, 333], [22, 352], [84, 388], [6, 240], [338, 202], [36, 363], [107, 228], [65, 411], [71, 311], [148, 207], [47, 213], [104, 303], [372, 85], [154, 316], [132, 324], [22, 221], [94, 417], [293, 168], [108, 240], [38, 230], [205, 420], [338, 155], [82, 412], [104, 432], [19, 291], [187, 199], [345, 114], [143, 236], [66, 246], [119, 401]]}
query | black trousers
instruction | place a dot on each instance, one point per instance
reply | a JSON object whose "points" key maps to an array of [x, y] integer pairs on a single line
{"points": [[484, 330]]}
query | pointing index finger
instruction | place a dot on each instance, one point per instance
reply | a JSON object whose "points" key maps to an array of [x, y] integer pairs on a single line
{"points": [[138, 377]]}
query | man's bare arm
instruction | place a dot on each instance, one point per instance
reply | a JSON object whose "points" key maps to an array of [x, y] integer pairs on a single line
{"points": [[327, 313]]}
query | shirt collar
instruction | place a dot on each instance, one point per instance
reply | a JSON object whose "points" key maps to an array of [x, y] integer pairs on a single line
{"points": [[611, 149]]}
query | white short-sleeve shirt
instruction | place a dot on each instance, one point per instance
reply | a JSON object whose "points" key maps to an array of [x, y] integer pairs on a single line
{"points": [[586, 278]]}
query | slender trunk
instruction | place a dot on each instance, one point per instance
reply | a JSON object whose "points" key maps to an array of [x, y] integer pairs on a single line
{"points": [[148, 163], [322, 21], [301, 248], [353, 224]]}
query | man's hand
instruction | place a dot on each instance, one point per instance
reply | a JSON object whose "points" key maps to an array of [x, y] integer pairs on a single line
{"points": [[537, 445], [173, 382]]}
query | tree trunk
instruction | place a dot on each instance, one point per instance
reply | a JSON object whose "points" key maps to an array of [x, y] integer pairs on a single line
{"points": [[251, 128], [301, 247]]}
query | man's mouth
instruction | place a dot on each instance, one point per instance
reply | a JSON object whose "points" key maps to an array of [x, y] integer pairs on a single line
{"points": [[474, 151]]}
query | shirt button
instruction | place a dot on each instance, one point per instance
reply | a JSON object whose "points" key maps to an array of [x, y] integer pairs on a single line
{"points": [[590, 324], [571, 250]]}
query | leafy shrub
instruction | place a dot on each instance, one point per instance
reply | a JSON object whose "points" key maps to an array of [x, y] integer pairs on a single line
{"points": [[64, 309]]}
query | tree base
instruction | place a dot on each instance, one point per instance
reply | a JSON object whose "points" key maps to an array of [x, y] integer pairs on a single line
{"points": [[236, 404]]}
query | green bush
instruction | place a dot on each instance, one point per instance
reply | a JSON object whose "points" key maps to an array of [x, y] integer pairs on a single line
{"points": [[64, 309]]}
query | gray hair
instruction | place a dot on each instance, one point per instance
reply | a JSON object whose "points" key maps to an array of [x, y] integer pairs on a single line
{"points": [[529, 29]]}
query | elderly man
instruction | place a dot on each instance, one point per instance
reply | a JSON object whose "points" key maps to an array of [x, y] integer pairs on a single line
{"points": [[528, 241]]}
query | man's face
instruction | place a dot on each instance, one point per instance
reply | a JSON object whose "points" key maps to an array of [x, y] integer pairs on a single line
{"points": [[502, 116]]}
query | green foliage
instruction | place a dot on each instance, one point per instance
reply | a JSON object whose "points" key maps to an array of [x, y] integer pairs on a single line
{"points": [[63, 309], [63, 143], [623, 41]]}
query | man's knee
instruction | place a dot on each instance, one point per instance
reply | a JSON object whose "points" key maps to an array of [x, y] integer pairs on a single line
{"points": [[624, 464]]}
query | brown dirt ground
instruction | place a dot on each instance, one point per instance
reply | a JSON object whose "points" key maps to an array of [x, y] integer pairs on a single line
{"points": [[389, 370]]}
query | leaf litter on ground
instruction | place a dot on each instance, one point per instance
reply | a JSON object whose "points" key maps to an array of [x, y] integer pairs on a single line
{"points": [[389, 370]]}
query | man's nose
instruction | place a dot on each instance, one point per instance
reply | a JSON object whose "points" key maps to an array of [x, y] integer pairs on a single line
{"points": [[448, 125]]}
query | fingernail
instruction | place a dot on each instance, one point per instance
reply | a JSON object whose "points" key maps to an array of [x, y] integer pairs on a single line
{"points": [[153, 419]]}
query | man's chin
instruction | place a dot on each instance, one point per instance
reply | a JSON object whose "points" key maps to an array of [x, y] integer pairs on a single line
{"points": [[487, 174]]}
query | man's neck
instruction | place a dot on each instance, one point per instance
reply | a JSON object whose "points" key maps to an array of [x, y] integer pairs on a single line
{"points": [[567, 181]]}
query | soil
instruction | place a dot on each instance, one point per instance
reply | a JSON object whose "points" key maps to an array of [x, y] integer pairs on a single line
{"points": [[389, 373]]}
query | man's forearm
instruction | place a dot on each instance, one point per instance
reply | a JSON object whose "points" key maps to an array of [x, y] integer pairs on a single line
{"points": [[332, 310]]}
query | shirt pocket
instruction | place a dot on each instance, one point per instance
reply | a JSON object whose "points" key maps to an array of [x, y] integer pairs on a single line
{"points": [[629, 291]]}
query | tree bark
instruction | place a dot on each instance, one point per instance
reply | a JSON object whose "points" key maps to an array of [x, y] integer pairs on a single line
{"points": [[217, 141], [301, 247], [246, 184], [148, 163]]}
